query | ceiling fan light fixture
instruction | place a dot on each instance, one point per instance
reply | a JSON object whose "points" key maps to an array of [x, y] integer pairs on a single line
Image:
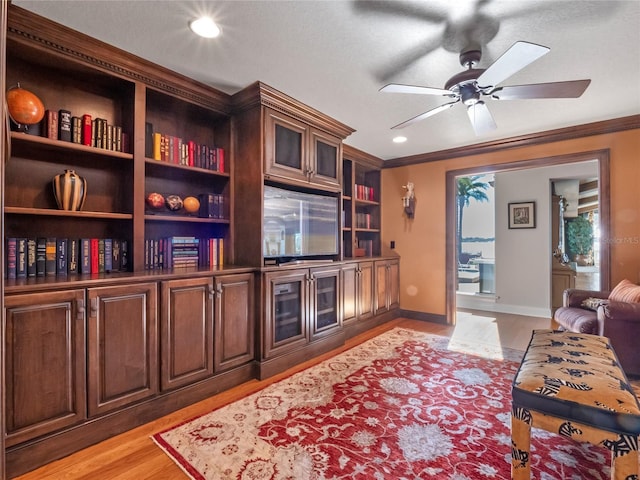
{"points": [[204, 27]]}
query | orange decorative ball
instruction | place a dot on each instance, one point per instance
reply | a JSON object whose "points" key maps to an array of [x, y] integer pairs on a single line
{"points": [[191, 204], [24, 107]]}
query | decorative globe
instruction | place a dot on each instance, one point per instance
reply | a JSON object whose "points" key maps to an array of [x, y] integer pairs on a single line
{"points": [[191, 204], [173, 202], [25, 108]]}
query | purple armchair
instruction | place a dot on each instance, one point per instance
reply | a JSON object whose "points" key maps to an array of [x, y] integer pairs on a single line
{"points": [[618, 321]]}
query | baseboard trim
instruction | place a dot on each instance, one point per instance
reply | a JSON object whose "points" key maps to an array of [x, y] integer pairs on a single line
{"points": [[423, 316]]}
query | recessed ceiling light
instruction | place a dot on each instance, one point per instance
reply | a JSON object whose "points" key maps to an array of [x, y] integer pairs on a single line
{"points": [[205, 27], [399, 139]]}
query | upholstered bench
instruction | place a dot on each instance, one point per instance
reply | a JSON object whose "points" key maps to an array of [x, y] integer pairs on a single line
{"points": [[572, 384]]}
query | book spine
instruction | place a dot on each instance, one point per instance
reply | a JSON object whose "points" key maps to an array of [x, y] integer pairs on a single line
{"points": [[76, 129], [108, 255], [101, 256], [117, 141], [51, 124], [41, 257], [73, 251], [64, 125], [124, 255], [115, 254], [21, 260], [61, 257], [157, 151], [85, 256], [12, 257], [50, 257], [31, 257], [95, 262], [86, 130]]}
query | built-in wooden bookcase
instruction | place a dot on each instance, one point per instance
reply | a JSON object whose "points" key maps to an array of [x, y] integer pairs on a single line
{"points": [[74, 72], [361, 204], [180, 119], [30, 206]]}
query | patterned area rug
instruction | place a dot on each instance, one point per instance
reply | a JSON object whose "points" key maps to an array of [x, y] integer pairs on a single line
{"points": [[401, 406]]}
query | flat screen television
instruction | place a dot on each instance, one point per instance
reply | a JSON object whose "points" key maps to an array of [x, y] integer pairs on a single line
{"points": [[299, 224]]}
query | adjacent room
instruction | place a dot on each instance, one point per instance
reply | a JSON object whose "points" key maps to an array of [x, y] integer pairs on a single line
{"points": [[309, 239]]}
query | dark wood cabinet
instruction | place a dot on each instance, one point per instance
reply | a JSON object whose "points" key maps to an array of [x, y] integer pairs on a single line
{"points": [[296, 151], [234, 321], [186, 332], [387, 283], [357, 291], [45, 363], [122, 346]]}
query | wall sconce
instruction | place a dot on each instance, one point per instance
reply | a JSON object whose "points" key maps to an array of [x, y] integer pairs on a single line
{"points": [[409, 200]]}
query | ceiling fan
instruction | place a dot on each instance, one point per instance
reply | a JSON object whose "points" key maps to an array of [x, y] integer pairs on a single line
{"points": [[474, 84]]}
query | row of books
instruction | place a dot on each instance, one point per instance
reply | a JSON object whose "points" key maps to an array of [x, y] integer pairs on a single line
{"points": [[48, 256], [175, 150], [177, 252], [363, 220], [364, 192], [84, 130]]}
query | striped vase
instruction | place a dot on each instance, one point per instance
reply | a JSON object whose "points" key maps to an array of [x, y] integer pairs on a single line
{"points": [[70, 190]]}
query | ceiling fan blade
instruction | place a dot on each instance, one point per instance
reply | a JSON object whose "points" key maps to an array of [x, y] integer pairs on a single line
{"points": [[513, 60], [398, 88], [481, 118], [570, 89], [424, 115]]}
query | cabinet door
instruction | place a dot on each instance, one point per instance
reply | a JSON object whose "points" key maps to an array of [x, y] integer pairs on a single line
{"points": [[286, 149], [286, 311], [382, 287], [45, 363], [394, 284], [324, 298], [349, 292], [186, 332], [234, 320], [365, 290], [122, 344], [326, 159]]}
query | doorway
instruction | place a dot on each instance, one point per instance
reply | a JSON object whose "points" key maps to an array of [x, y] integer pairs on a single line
{"points": [[534, 245]]}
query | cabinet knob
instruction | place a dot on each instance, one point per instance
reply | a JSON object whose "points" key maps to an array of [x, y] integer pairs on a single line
{"points": [[219, 290]]}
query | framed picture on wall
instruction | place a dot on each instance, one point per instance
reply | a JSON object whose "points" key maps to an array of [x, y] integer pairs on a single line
{"points": [[522, 215]]}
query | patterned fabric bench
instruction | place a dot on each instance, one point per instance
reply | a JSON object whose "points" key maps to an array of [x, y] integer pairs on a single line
{"points": [[572, 384]]}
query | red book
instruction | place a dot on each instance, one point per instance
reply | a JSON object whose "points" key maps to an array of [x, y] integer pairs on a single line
{"points": [[220, 155], [191, 154], [95, 251], [86, 130]]}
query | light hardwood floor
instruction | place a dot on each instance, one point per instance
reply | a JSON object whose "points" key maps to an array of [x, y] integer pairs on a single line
{"points": [[134, 456]]}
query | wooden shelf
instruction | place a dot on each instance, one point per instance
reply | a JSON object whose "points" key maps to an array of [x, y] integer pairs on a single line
{"points": [[184, 168], [19, 139], [372, 230], [366, 202], [66, 213], [184, 218]]}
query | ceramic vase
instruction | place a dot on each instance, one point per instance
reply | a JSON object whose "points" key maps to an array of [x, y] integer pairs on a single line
{"points": [[70, 190]]}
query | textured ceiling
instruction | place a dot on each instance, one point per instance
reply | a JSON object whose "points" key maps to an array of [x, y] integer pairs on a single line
{"points": [[335, 55]]}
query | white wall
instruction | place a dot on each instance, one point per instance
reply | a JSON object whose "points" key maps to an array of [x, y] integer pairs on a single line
{"points": [[523, 256]]}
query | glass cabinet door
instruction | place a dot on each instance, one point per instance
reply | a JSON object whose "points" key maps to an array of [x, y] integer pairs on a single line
{"points": [[326, 162], [287, 313], [286, 147], [325, 299]]}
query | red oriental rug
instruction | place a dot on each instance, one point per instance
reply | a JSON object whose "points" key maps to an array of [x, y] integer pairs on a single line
{"points": [[402, 406]]}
